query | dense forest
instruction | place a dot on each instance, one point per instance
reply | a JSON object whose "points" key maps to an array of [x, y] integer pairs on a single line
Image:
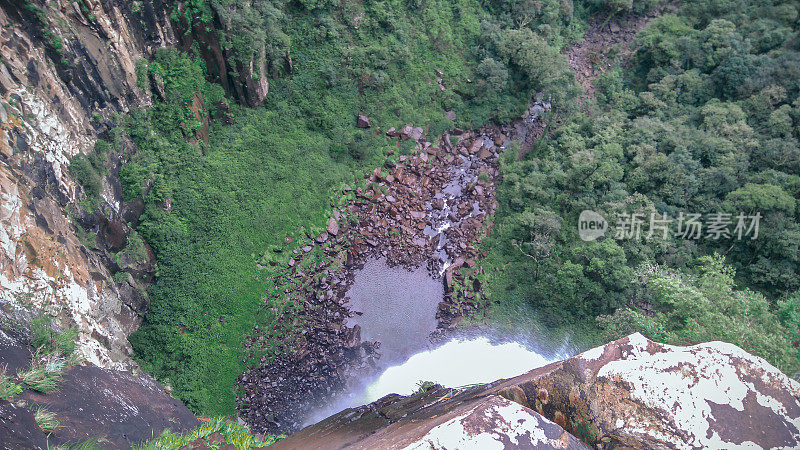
{"points": [[702, 120], [703, 117]]}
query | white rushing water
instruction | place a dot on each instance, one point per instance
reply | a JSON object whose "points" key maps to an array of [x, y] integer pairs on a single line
{"points": [[456, 363]]}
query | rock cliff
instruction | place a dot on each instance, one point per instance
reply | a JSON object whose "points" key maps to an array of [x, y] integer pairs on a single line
{"points": [[67, 68], [630, 393]]}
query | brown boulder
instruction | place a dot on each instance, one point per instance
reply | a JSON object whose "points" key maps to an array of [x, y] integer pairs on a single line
{"points": [[477, 144], [637, 393], [437, 419], [333, 227], [363, 121]]}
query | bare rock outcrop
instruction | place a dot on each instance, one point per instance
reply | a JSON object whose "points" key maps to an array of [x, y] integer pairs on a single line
{"points": [[634, 392], [432, 420], [118, 407], [630, 393], [65, 69]]}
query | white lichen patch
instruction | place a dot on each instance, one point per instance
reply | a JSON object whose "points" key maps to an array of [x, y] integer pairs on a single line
{"points": [[681, 387], [495, 424]]}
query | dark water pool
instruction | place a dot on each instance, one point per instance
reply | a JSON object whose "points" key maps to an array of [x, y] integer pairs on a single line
{"points": [[397, 306]]}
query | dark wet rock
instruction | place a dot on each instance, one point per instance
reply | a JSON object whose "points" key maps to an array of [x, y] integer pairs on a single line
{"points": [[157, 84], [353, 337], [18, 429], [122, 407], [223, 112]]}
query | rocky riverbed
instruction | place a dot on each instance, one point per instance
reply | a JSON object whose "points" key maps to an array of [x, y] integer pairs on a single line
{"points": [[426, 210]]}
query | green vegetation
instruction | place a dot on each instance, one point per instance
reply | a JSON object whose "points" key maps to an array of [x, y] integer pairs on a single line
{"points": [[44, 374], [706, 121], [215, 210], [424, 386], [46, 420], [54, 353], [88, 171], [231, 432], [8, 388], [688, 308], [89, 444], [47, 340]]}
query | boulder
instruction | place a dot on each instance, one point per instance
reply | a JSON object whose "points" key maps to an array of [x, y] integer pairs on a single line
{"points": [[477, 144], [124, 408], [392, 132], [333, 227], [637, 393], [363, 121], [630, 393], [411, 132], [405, 133], [436, 419]]}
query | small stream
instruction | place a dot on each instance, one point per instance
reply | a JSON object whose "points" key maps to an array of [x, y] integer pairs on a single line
{"points": [[445, 216]]}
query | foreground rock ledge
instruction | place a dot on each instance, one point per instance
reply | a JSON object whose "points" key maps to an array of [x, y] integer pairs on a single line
{"points": [[632, 392]]}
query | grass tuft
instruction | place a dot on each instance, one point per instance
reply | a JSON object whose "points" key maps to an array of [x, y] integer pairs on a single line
{"points": [[46, 420], [8, 389], [44, 374], [235, 434]]}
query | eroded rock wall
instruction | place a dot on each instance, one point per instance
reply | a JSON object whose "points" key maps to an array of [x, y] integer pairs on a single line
{"points": [[66, 68]]}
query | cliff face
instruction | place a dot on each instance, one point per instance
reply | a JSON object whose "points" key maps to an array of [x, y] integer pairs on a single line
{"points": [[66, 69]]}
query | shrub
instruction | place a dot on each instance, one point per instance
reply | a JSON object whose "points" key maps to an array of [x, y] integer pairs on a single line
{"points": [[688, 309], [8, 389]]}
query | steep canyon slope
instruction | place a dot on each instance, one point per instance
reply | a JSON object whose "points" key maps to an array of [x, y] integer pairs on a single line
{"points": [[67, 69]]}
